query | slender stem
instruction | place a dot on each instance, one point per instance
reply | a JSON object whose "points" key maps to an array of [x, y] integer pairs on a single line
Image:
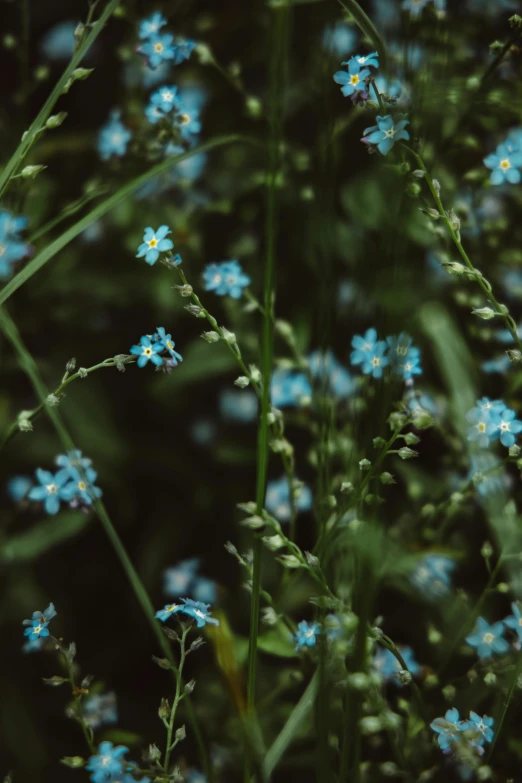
{"points": [[77, 694], [178, 672], [500, 310], [514, 681]]}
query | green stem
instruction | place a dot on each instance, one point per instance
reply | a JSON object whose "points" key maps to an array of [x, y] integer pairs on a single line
{"points": [[38, 123], [28, 364], [178, 672], [86, 729], [516, 675]]}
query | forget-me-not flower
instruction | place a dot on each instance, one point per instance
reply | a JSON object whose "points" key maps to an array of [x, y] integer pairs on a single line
{"points": [[168, 343], [158, 48], [324, 366], [85, 490], [12, 247], [306, 634], [147, 351], [165, 98], [151, 26], [108, 761], [277, 500], [226, 279], [52, 489], [404, 356], [387, 665], [339, 38], [178, 579], [432, 575], [37, 626], [154, 243], [387, 132], [199, 612], [449, 728], [168, 611], [100, 709], [353, 79], [506, 426], [113, 138], [488, 639], [17, 487], [36, 630], [240, 406], [481, 727], [505, 164], [288, 388]]}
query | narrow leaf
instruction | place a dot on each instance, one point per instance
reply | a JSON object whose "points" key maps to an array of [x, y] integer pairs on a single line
{"points": [[42, 537]]}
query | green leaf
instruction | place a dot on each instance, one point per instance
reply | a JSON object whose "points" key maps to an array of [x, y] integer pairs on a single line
{"points": [[365, 24], [277, 641], [121, 737], [55, 681], [42, 537], [101, 209]]}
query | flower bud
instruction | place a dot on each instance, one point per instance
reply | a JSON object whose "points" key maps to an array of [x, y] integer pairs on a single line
{"points": [[210, 337], [289, 561], [31, 171], [484, 312], [364, 464], [242, 382], [55, 120], [273, 543], [406, 453]]}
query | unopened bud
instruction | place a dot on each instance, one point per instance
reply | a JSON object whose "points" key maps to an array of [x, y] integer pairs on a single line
{"points": [[346, 487], [436, 186], [387, 478], [273, 543], [312, 560], [242, 382], [189, 686], [82, 372], [254, 522], [484, 312], [228, 337], [417, 174], [184, 290], [56, 120], [194, 310], [454, 267], [210, 337], [364, 464], [289, 561], [180, 734], [31, 171], [52, 400], [406, 453]]}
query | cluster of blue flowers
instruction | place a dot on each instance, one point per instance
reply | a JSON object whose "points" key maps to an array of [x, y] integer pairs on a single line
{"points": [[108, 765], [114, 137], [432, 576], [197, 610], [37, 629], [277, 500], [373, 355], [492, 419], [154, 243], [354, 80], [226, 279], [151, 346], [505, 163], [184, 579], [289, 388], [451, 730], [167, 103], [388, 667], [336, 378], [159, 47], [12, 247], [72, 484]]}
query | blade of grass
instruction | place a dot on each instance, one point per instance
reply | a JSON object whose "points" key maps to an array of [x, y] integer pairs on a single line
{"points": [[44, 113], [365, 24], [29, 366], [101, 209]]}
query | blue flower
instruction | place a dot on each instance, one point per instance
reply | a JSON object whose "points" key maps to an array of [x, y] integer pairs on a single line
{"points": [[387, 665], [277, 500], [514, 621], [168, 611], [492, 480], [36, 630], [37, 626], [373, 361], [198, 611], [165, 99], [394, 89], [240, 406], [499, 365], [17, 487], [12, 248], [44, 617], [53, 489], [167, 343], [506, 426], [226, 279], [194, 776], [363, 345], [184, 48], [306, 634], [113, 138], [154, 243], [339, 38], [449, 728], [151, 26], [147, 351], [188, 124], [58, 42], [352, 80], [158, 48], [75, 461], [386, 133], [100, 709], [365, 60], [205, 590], [107, 762], [404, 356], [481, 418], [488, 638], [289, 388], [153, 114], [324, 365], [505, 163], [432, 576], [481, 727], [85, 490], [177, 579]]}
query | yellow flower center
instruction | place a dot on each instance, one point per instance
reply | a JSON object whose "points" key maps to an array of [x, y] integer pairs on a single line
{"points": [[2, 250], [169, 345], [171, 607], [148, 351], [505, 164], [52, 489], [389, 133], [153, 242], [184, 119], [37, 629], [376, 361], [488, 638], [158, 48], [354, 79], [81, 486], [481, 426]]}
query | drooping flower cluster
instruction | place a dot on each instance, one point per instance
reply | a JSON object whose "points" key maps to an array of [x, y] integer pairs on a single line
{"points": [[492, 420], [114, 137], [12, 247], [336, 378], [432, 576], [506, 162], [197, 610], [37, 629], [289, 388], [225, 279], [373, 355], [388, 667], [73, 483], [277, 499], [388, 131], [151, 346], [184, 578], [354, 80], [158, 47], [451, 730]]}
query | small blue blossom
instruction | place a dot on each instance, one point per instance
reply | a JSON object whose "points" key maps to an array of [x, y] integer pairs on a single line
{"points": [[36, 630], [449, 728], [306, 634], [17, 487], [204, 590], [194, 776], [177, 579], [514, 621], [168, 344], [506, 426], [52, 489], [481, 419], [488, 639], [37, 626], [387, 665], [324, 366], [12, 247], [386, 133], [165, 99], [154, 114], [339, 38], [75, 461], [100, 709], [403, 356], [113, 138], [289, 388], [395, 90], [240, 406], [168, 611], [277, 500], [58, 42], [505, 164], [158, 48], [353, 79], [432, 576], [199, 612], [499, 365], [147, 351], [372, 361], [151, 26], [184, 48], [188, 124], [481, 727], [363, 345], [365, 60], [154, 243], [226, 279], [109, 761], [491, 480], [85, 491]]}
